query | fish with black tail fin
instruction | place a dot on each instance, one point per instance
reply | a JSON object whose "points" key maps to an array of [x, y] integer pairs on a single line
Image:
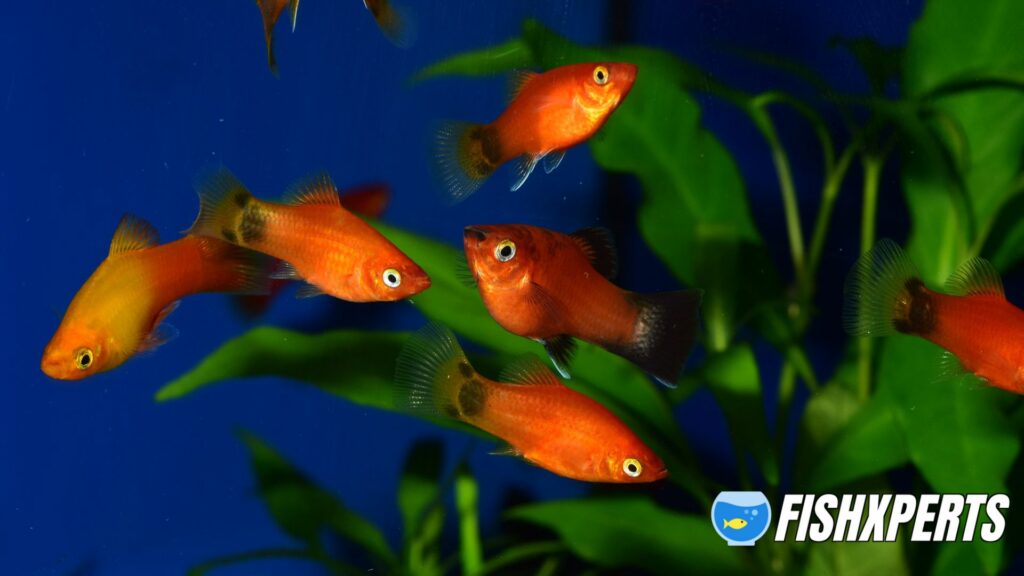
{"points": [[982, 332], [271, 10], [550, 112], [543, 421], [555, 287], [121, 308], [316, 239]]}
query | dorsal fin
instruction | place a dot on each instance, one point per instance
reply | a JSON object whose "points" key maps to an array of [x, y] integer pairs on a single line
{"points": [[518, 80], [529, 371], [599, 246], [133, 233], [316, 190], [975, 277]]}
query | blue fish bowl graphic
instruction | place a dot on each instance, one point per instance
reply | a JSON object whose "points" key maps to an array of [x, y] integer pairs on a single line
{"points": [[740, 518]]}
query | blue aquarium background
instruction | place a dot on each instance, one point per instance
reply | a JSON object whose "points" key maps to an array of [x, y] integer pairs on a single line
{"points": [[115, 107]]}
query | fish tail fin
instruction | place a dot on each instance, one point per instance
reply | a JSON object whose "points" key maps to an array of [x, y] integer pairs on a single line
{"points": [[433, 377], [725, 523], [465, 155], [222, 205], [234, 270], [884, 295], [269, 20], [667, 327], [398, 25]]}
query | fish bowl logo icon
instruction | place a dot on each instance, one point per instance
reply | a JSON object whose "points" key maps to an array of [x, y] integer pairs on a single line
{"points": [[740, 518]]}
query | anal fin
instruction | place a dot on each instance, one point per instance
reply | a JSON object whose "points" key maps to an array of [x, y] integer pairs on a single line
{"points": [[561, 350], [552, 160], [308, 291], [524, 167]]}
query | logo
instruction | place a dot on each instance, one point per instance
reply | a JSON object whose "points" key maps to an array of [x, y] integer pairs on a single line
{"points": [[740, 518]]}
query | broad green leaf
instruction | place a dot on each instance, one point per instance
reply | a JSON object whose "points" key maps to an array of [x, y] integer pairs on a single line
{"points": [[734, 379], [872, 442], [953, 41], [466, 496], [356, 365], [856, 559], [511, 55], [635, 533], [879, 63], [304, 510], [419, 500], [956, 430]]}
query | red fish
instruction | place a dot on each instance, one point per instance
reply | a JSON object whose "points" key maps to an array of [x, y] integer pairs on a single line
{"points": [[972, 319], [318, 240], [394, 22], [549, 113], [545, 422], [553, 287], [120, 309], [368, 200], [271, 10]]}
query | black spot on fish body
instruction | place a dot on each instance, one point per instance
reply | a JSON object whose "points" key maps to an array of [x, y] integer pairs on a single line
{"points": [[253, 224], [451, 411], [915, 309], [489, 145], [229, 235], [241, 199], [465, 369], [471, 397]]}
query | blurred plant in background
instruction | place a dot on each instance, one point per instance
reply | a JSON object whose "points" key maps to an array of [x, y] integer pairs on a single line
{"points": [[957, 130]]}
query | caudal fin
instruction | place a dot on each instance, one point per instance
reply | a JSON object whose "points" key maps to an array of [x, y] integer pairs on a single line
{"points": [[884, 294], [666, 330], [465, 155], [223, 200], [433, 376]]}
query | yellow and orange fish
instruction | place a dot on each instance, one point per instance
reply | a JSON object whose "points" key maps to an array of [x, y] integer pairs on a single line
{"points": [[554, 287], [973, 321], [549, 113], [119, 310], [368, 200], [542, 420], [394, 22], [271, 11], [317, 240]]}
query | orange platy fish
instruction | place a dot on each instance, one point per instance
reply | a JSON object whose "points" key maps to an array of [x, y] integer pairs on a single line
{"points": [[316, 239], [972, 319], [542, 420], [119, 310], [549, 113], [271, 10], [392, 21], [554, 287], [368, 200]]}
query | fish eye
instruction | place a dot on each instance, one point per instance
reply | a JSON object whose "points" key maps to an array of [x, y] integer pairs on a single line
{"points": [[83, 358], [632, 467], [505, 250], [392, 278], [601, 75]]}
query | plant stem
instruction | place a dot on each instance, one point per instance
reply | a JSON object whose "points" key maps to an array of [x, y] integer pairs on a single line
{"points": [[829, 194], [787, 383], [466, 493], [782, 169], [872, 164]]}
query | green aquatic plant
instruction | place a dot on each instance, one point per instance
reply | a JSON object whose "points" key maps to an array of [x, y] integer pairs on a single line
{"points": [[955, 133]]}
